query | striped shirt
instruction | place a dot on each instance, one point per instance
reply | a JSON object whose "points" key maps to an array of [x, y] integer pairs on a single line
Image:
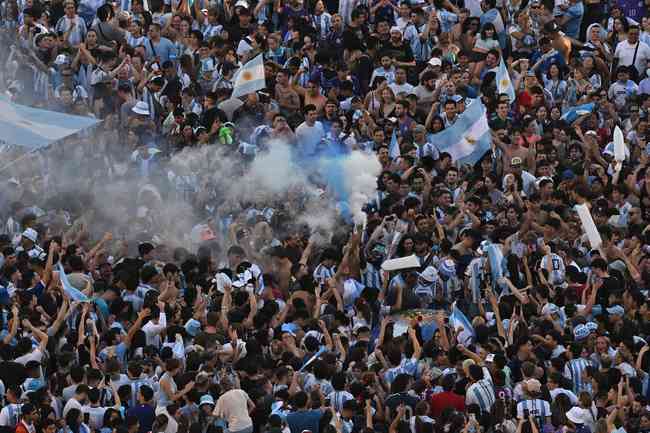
{"points": [[481, 393], [337, 398], [539, 409], [10, 415], [573, 370], [371, 276], [135, 389], [426, 149], [558, 270], [407, 366], [475, 273], [322, 273]]}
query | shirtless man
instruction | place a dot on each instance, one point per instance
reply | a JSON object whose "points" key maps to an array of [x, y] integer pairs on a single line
{"points": [[285, 94]]}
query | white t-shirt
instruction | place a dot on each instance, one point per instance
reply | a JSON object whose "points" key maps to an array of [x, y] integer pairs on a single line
{"points": [[399, 88], [310, 137], [95, 416], [36, 355], [233, 405], [625, 53], [71, 404]]}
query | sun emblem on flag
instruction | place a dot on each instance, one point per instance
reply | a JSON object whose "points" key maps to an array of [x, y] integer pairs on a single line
{"points": [[247, 76], [470, 139], [505, 82]]}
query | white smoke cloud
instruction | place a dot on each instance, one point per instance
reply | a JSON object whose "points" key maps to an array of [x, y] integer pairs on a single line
{"points": [[360, 170]]}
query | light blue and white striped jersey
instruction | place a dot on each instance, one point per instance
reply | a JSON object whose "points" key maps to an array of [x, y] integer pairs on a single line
{"points": [[556, 276], [10, 415], [142, 290], [322, 273], [539, 409], [371, 276], [475, 273], [481, 393], [135, 389], [407, 366], [573, 370], [337, 398], [427, 149]]}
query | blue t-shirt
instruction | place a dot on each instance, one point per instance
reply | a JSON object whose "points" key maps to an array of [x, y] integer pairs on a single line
{"points": [[165, 49], [145, 415], [304, 420]]}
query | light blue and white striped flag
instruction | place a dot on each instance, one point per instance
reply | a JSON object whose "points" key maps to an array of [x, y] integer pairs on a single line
{"points": [[313, 358], [495, 256], [34, 128], [249, 78], [574, 112], [469, 138], [504, 83], [458, 319], [393, 148], [73, 292]]}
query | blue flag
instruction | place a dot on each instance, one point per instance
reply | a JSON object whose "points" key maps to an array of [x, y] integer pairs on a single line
{"points": [[573, 113], [73, 292], [468, 139], [34, 128]]}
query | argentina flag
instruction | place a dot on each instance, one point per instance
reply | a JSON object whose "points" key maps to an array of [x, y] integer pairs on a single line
{"points": [[504, 84], [73, 292], [250, 78], [469, 138], [457, 320], [571, 114], [34, 128]]}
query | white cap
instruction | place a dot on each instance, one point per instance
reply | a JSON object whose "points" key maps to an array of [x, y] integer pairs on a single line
{"points": [[30, 234], [61, 59], [429, 274], [141, 108], [435, 61]]}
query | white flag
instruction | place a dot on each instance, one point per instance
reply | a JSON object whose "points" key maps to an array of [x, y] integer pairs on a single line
{"points": [[589, 226]]}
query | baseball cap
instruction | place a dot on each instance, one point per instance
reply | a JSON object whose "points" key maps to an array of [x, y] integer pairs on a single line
{"points": [[616, 310], [206, 399], [580, 332], [435, 61], [516, 161], [429, 274], [30, 234]]}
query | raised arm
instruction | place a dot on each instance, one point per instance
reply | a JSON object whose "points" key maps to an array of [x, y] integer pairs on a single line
{"points": [[42, 336], [136, 325], [13, 329]]}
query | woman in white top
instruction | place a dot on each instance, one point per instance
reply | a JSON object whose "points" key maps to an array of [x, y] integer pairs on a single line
{"points": [[168, 389], [487, 39]]}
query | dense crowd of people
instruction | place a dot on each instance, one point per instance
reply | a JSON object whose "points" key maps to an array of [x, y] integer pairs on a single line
{"points": [[196, 263]]}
